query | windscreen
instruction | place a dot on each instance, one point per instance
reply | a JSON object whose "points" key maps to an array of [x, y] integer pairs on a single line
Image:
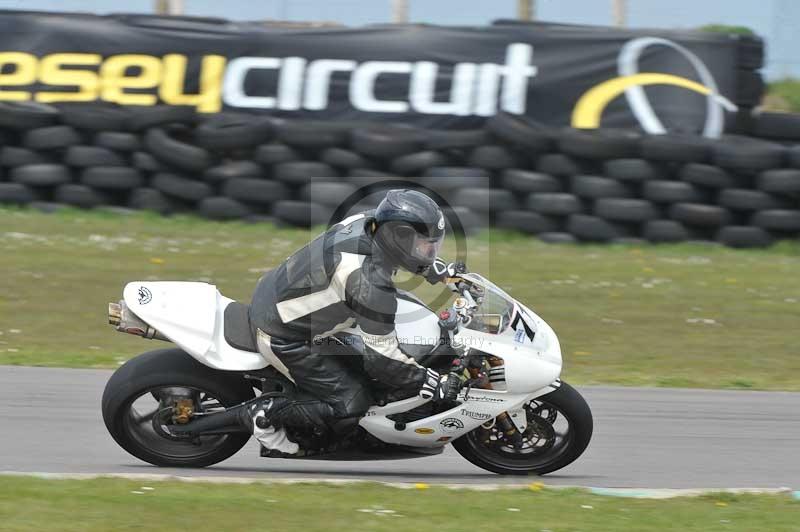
{"points": [[494, 311]]}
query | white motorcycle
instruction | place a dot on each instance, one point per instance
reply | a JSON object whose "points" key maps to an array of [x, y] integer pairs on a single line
{"points": [[179, 406]]}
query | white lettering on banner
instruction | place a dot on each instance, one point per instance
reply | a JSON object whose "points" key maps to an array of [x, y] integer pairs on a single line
{"points": [[290, 84], [516, 71], [362, 86], [488, 85], [233, 87], [318, 81], [423, 89], [303, 84]]}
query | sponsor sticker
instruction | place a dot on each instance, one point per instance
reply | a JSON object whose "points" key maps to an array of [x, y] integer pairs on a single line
{"points": [[483, 398], [519, 336], [145, 296], [424, 430], [475, 415], [451, 424]]}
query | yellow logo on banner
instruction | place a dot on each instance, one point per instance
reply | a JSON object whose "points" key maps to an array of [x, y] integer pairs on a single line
{"points": [[588, 111], [80, 77], [590, 107]]}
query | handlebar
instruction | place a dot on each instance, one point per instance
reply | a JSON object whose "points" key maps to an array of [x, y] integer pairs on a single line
{"points": [[464, 305], [466, 294]]}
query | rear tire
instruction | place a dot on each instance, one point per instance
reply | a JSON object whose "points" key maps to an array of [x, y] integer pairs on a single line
{"points": [[163, 368], [570, 405]]}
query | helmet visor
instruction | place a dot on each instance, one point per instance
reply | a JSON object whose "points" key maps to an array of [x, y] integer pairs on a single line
{"points": [[425, 248]]}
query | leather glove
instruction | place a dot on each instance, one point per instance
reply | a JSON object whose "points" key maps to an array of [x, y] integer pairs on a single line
{"points": [[440, 388], [440, 270]]}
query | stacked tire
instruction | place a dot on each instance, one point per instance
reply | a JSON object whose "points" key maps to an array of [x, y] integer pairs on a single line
{"points": [[600, 186]]}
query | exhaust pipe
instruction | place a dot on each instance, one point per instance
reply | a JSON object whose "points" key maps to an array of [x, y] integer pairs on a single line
{"points": [[231, 420], [121, 317], [234, 419]]}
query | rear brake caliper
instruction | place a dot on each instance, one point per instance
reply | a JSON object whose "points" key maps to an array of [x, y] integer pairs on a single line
{"points": [[182, 411], [178, 404]]}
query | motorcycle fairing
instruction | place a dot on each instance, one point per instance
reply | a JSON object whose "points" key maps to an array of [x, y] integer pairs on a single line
{"points": [[531, 368], [192, 315], [477, 407]]}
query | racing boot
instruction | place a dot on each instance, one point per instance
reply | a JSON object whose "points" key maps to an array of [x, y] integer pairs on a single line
{"points": [[264, 421]]}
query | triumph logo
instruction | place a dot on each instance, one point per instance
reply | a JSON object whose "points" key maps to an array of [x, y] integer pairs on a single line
{"points": [[303, 84], [475, 415]]}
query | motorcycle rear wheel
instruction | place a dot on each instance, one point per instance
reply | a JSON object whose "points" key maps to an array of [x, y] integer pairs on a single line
{"points": [[559, 430], [143, 378]]}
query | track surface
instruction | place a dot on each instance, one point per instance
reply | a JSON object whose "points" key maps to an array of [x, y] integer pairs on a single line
{"points": [[656, 438]]}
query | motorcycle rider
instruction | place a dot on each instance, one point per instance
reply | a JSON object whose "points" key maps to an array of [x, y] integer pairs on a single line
{"points": [[343, 279]]}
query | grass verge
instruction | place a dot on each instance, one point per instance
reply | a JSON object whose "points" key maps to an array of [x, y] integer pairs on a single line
{"points": [[30, 504], [677, 315], [783, 95]]}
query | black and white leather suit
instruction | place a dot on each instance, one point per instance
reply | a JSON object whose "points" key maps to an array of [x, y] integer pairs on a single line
{"points": [[339, 280]]}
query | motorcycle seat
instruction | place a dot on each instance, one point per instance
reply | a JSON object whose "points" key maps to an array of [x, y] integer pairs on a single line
{"points": [[236, 327]]}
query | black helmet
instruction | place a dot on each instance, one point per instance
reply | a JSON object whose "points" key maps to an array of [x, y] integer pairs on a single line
{"points": [[409, 229]]}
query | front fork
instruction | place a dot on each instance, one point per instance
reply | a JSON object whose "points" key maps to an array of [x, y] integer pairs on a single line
{"points": [[480, 378]]}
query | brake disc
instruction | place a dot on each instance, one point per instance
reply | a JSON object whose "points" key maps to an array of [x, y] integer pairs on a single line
{"points": [[540, 433], [542, 410]]}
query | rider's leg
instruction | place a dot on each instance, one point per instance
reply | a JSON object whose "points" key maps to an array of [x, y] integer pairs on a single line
{"points": [[329, 390]]}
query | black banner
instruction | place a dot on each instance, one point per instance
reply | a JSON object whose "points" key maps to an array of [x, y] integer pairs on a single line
{"points": [[427, 75]]}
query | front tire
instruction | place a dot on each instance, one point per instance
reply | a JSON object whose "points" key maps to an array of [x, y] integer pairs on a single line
{"points": [[141, 378], [547, 417]]}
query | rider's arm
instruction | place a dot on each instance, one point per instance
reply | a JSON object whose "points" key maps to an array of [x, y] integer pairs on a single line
{"points": [[374, 305]]}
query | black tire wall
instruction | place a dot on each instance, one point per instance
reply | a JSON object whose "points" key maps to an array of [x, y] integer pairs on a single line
{"points": [[562, 184]]}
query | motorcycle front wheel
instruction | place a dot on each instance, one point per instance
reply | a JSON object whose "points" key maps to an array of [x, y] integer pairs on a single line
{"points": [[559, 429], [137, 416]]}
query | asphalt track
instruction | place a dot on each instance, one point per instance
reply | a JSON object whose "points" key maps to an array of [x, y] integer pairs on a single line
{"points": [[644, 438]]}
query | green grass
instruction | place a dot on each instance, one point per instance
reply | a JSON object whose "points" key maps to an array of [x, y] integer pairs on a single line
{"points": [[726, 29], [678, 315], [28, 504], [783, 95]]}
